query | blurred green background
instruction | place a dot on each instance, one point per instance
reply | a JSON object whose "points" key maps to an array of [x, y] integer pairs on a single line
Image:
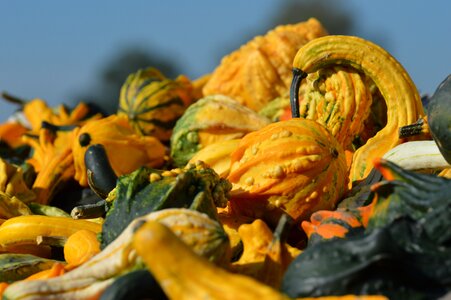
{"points": [[66, 52]]}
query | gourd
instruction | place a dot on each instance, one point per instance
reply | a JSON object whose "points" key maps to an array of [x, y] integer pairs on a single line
{"points": [[12, 207], [209, 120], [417, 155], [138, 284], [266, 255], [217, 156], [147, 190], [439, 117], [402, 99], [326, 224], [404, 252], [90, 279], [11, 134], [294, 166], [80, 247], [36, 111], [15, 267], [192, 277], [52, 160], [25, 229], [14, 181], [126, 150], [338, 98], [153, 103], [260, 70]]}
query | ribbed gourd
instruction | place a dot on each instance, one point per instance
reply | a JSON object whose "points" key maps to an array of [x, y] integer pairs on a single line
{"points": [[260, 70], [153, 103], [394, 84], [211, 119], [294, 166]]}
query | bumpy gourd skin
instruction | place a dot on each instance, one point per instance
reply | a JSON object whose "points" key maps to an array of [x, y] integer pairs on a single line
{"points": [[260, 70], [401, 96], [295, 166]]}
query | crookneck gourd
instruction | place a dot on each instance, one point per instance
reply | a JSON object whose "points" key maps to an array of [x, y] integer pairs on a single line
{"points": [[209, 120], [394, 84], [125, 148], [295, 166], [260, 70], [192, 277], [153, 103]]}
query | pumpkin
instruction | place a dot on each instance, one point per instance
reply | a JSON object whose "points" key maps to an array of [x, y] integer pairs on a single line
{"points": [[439, 117], [294, 166], [192, 277], [209, 120], [260, 70], [126, 150], [153, 103], [399, 92]]}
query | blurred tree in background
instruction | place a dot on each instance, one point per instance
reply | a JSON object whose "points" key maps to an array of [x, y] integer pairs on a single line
{"points": [[105, 93]]}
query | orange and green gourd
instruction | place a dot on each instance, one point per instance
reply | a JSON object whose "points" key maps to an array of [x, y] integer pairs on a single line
{"points": [[294, 166], [153, 103]]}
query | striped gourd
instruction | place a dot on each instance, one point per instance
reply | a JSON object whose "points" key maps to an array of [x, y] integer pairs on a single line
{"points": [[339, 99], [295, 166], [211, 119], [153, 103]]}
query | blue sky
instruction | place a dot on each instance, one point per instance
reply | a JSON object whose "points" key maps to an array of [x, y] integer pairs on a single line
{"points": [[54, 49]]}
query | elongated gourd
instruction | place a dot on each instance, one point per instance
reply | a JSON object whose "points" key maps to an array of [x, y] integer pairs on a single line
{"points": [[192, 277], [25, 229], [401, 96]]}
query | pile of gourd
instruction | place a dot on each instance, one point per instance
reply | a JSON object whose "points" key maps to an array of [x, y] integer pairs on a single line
{"points": [[304, 165]]}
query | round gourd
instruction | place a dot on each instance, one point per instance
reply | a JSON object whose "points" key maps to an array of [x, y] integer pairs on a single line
{"points": [[295, 166], [439, 118], [211, 119], [153, 103]]}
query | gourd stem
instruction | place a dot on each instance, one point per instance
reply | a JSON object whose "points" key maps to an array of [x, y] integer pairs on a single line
{"points": [[13, 99], [416, 128], [101, 176], [298, 75], [89, 211]]}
